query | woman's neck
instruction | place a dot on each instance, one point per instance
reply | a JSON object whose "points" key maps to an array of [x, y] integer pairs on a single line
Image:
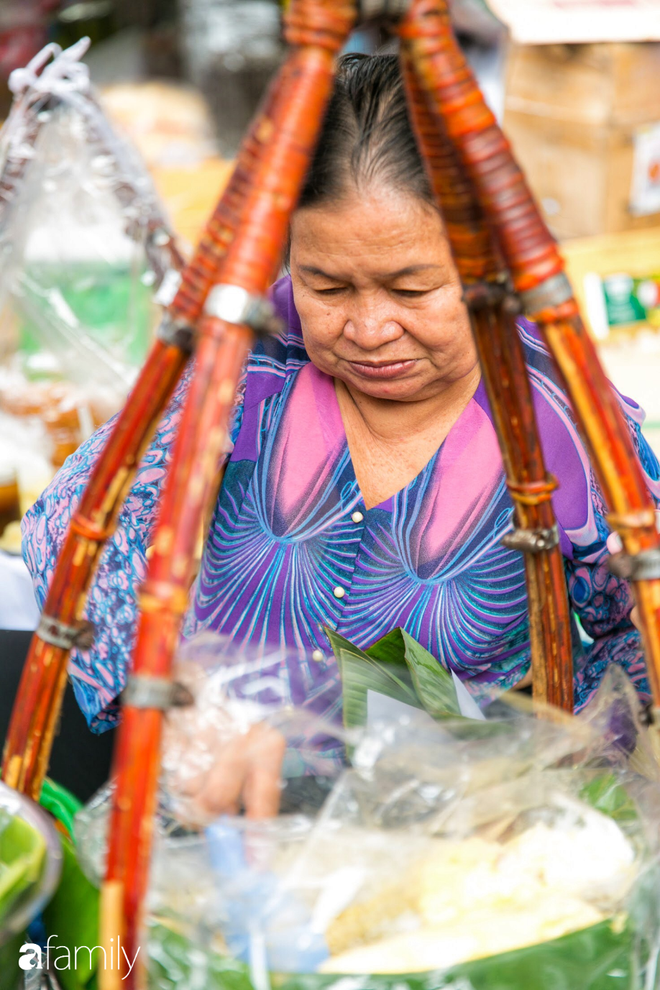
{"points": [[393, 422], [391, 442]]}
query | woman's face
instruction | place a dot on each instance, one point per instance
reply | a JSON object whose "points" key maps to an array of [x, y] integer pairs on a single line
{"points": [[378, 295]]}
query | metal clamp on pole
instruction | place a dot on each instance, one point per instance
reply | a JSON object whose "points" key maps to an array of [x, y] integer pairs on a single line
{"points": [[390, 10], [531, 540], [65, 636], [554, 291], [233, 304], [155, 692], [480, 295], [642, 566], [176, 334]]}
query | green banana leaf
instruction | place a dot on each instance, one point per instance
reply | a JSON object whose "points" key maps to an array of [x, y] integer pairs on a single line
{"points": [[596, 958], [362, 672], [175, 964], [401, 668], [389, 649], [398, 667], [433, 684], [608, 795], [73, 916]]}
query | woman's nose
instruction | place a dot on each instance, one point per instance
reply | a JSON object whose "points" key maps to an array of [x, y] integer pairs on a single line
{"points": [[371, 329]]}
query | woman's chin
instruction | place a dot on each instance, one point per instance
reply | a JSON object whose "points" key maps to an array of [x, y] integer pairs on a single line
{"points": [[404, 389]]}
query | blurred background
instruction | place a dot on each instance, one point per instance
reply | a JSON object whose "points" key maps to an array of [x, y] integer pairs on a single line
{"points": [[575, 83]]}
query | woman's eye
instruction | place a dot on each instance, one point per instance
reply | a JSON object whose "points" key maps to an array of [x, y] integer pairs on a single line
{"points": [[330, 292], [411, 293]]}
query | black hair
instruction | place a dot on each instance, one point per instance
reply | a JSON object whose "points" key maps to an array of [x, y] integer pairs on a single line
{"points": [[366, 134]]}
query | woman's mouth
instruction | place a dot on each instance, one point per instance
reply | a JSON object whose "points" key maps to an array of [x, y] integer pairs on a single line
{"points": [[382, 369]]}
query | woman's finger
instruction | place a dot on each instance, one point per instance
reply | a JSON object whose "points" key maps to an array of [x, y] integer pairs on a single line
{"points": [[246, 773], [263, 787], [262, 793], [224, 784]]}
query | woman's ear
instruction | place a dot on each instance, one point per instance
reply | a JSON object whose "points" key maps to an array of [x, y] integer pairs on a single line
{"points": [[286, 257]]}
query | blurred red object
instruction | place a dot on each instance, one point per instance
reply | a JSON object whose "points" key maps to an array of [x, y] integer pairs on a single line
{"points": [[23, 31]]}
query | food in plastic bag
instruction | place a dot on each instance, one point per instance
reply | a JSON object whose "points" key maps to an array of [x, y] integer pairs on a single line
{"points": [[83, 247], [478, 896]]}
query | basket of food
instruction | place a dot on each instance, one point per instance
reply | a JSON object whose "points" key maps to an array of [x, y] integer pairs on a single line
{"points": [[448, 853]]}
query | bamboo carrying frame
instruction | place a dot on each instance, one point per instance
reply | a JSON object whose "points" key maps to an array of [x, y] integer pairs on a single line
{"points": [[507, 261]]}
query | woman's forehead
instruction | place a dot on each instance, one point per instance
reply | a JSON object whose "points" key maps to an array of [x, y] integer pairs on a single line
{"points": [[389, 231]]}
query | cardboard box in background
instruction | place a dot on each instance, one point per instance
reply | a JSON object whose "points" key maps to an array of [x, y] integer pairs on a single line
{"points": [[584, 123], [547, 22], [616, 280]]}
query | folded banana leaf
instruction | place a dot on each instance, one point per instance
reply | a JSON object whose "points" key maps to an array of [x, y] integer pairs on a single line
{"points": [[396, 666], [400, 668]]}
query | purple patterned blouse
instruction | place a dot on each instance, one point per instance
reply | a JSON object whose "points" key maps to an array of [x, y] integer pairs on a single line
{"points": [[292, 546]]}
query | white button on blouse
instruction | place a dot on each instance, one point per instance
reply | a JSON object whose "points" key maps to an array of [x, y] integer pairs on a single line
{"points": [[357, 517], [339, 592]]}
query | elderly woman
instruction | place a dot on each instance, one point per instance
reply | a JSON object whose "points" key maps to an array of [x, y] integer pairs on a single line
{"points": [[365, 488]]}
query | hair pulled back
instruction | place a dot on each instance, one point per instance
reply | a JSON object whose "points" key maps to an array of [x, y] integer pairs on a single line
{"points": [[366, 135]]}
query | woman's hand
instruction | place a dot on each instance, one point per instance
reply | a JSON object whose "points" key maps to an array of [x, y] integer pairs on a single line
{"points": [[245, 774], [219, 756], [614, 545]]}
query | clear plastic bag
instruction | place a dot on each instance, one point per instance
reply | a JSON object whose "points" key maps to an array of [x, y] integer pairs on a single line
{"points": [[255, 695], [83, 247], [454, 854]]}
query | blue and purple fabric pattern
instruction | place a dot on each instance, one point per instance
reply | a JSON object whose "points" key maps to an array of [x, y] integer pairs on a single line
{"points": [[292, 547]]}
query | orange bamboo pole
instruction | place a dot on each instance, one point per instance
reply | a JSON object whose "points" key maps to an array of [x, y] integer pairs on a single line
{"points": [[38, 702], [492, 310], [538, 275], [316, 30]]}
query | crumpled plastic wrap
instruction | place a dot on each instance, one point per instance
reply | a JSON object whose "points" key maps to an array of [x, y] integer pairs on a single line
{"points": [[517, 851], [250, 694], [83, 248]]}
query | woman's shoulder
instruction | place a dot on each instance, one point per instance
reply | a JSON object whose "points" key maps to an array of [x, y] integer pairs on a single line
{"points": [[548, 385], [276, 356], [564, 450]]}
